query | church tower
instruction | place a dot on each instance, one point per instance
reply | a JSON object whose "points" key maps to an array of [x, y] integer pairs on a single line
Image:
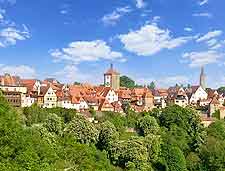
{"points": [[203, 78], [112, 78]]}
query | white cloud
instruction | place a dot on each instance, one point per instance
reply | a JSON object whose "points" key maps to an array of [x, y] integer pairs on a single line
{"points": [[86, 51], [210, 35], [151, 39], [71, 73], [140, 4], [189, 29], [20, 70], [10, 35], [156, 19], [203, 2], [116, 15], [217, 46], [63, 12], [208, 15], [211, 42], [203, 58]]}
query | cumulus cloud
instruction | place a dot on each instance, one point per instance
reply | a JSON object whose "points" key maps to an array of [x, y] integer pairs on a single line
{"points": [[140, 4], [203, 2], [203, 58], [211, 42], [210, 35], [71, 73], [86, 51], [19, 70], [217, 46], [10, 35], [116, 15], [205, 14], [188, 29], [151, 39]]}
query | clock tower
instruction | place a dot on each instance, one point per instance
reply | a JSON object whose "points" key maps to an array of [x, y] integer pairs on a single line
{"points": [[112, 78]]}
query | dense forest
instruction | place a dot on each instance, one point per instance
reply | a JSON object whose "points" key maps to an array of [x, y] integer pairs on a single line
{"points": [[171, 139]]}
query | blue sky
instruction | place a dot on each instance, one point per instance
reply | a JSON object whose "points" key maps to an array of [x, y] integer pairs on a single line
{"points": [[166, 41]]}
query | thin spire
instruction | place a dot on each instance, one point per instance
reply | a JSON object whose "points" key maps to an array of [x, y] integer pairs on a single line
{"points": [[111, 66]]}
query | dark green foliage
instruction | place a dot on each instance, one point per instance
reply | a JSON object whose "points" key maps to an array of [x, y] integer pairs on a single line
{"points": [[148, 125], [34, 115], [212, 154], [216, 114], [170, 139], [217, 129], [221, 90], [194, 162], [174, 158], [152, 85], [107, 136], [184, 126], [127, 82]]}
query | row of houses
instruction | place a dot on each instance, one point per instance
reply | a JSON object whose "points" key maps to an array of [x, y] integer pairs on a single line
{"points": [[110, 97], [50, 93]]}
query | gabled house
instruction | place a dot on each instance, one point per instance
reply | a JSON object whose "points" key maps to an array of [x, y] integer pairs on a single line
{"points": [[109, 94], [178, 96], [196, 94], [105, 106], [142, 97], [49, 97]]}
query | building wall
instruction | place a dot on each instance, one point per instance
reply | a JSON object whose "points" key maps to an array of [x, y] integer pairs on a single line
{"points": [[14, 98], [112, 96], [50, 99], [20, 89], [200, 94], [112, 80]]}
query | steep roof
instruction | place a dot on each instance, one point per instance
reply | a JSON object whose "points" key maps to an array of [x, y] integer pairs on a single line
{"points": [[9, 80]]}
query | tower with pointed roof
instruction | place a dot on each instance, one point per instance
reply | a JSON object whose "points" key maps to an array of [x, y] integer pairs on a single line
{"points": [[203, 78], [112, 78]]}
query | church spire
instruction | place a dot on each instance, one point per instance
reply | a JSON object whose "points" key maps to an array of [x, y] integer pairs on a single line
{"points": [[203, 78]]}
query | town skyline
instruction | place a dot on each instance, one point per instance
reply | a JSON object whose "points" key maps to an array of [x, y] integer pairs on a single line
{"points": [[145, 40]]}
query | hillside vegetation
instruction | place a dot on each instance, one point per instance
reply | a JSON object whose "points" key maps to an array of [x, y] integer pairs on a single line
{"points": [[171, 139]]}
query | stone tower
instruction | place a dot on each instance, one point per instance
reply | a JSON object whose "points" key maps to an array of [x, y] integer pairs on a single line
{"points": [[112, 78], [203, 78]]}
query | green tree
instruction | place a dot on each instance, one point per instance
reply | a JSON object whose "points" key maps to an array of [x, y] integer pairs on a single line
{"points": [[132, 152], [84, 131], [217, 130], [212, 154], [174, 158], [54, 124], [152, 85], [107, 136], [194, 162], [148, 125], [185, 121], [34, 114], [127, 82], [221, 90], [153, 144]]}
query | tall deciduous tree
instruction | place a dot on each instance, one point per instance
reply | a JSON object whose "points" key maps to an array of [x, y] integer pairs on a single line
{"points": [[84, 131], [107, 136]]}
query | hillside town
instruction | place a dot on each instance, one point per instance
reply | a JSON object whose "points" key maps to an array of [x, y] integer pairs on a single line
{"points": [[111, 96]]}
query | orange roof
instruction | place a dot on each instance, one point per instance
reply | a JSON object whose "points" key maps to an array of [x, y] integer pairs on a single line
{"points": [[9, 80], [124, 94], [105, 104]]}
